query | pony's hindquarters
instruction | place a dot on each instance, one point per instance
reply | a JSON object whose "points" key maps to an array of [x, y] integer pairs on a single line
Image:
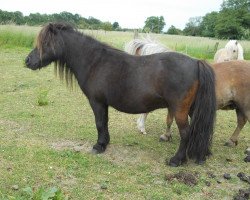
{"points": [[203, 115]]}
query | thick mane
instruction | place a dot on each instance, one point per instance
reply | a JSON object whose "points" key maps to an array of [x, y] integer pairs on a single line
{"points": [[47, 34], [51, 33], [47, 37]]}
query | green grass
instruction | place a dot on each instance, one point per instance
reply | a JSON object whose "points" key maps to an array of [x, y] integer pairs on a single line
{"points": [[38, 143], [199, 47]]}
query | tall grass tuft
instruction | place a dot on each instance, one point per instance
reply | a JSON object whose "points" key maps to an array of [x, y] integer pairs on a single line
{"points": [[42, 98], [14, 36]]}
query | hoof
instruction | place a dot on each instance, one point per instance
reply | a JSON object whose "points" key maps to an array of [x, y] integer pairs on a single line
{"points": [[164, 138], [200, 162], [172, 164], [247, 151], [142, 131], [176, 162], [97, 148], [231, 143], [94, 151], [247, 159]]}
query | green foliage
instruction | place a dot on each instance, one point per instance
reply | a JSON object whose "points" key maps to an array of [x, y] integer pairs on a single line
{"points": [[174, 31], [228, 25], [208, 24], [35, 19], [154, 24], [231, 22], [107, 26], [193, 26], [42, 98], [115, 26], [44, 194]]}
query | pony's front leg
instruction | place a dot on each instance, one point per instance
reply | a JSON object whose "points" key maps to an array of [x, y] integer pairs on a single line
{"points": [[101, 119]]}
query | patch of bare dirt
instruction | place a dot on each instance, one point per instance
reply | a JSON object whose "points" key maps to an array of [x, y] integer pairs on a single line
{"points": [[77, 146], [67, 182], [13, 126], [190, 179], [117, 154]]}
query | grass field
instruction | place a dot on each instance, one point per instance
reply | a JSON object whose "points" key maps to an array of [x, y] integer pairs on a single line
{"points": [[47, 132]]}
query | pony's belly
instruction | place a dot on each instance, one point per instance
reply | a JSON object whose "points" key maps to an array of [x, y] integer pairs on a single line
{"points": [[137, 108]]}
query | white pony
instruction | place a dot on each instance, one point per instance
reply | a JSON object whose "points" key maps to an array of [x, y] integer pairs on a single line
{"points": [[232, 51], [140, 47], [144, 46]]}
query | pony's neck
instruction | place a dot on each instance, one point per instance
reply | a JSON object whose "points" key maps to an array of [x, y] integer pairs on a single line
{"points": [[81, 54]]}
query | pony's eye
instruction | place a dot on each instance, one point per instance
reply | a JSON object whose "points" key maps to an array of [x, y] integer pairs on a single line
{"points": [[234, 51]]}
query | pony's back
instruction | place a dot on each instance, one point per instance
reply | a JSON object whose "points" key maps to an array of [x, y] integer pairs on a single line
{"points": [[145, 46]]}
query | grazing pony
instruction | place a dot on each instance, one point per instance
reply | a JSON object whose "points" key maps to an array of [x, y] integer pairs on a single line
{"points": [[232, 92], [232, 51], [133, 84]]}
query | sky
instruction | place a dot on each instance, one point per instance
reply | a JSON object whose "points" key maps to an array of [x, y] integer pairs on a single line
{"points": [[128, 13]]}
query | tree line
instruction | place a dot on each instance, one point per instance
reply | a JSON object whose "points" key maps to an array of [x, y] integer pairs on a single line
{"points": [[35, 19], [231, 22]]}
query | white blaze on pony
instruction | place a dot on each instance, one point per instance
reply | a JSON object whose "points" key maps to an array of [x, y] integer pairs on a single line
{"points": [[232, 51]]}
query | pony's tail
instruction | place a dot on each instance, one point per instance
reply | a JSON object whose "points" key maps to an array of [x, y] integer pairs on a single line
{"points": [[203, 115]]}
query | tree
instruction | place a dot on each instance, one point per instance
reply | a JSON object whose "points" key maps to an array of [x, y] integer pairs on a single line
{"points": [[115, 26], [233, 20], [94, 23], [208, 24], [228, 26], [174, 31], [235, 4], [154, 24], [107, 26], [193, 26]]}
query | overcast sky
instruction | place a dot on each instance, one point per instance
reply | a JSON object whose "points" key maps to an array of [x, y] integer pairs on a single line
{"points": [[128, 13]]}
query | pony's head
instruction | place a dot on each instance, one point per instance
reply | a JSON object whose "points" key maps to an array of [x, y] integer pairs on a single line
{"points": [[49, 46], [233, 47]]}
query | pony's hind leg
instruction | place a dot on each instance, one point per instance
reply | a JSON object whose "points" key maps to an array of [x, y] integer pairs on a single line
{"points": [[183, 126], [168, 135], [241, 121], [141, 123], [101, 120]]}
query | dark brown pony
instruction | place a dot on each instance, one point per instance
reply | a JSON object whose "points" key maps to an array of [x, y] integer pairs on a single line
{"points": [[232, 89], [133, 84]]}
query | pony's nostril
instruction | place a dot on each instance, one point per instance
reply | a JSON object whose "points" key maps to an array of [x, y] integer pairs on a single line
{"points": [[27, 60]]}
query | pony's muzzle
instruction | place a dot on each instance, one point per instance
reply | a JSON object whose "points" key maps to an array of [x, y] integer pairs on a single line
{"points": [[27, 60]]}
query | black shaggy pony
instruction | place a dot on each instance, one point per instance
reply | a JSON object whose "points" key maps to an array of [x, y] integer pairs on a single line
{"points": [[133, 84]]}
